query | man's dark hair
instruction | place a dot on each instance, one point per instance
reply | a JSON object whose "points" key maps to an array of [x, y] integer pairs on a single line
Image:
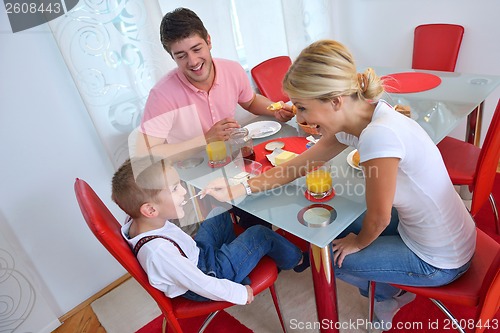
{"points": [[179, 24]]}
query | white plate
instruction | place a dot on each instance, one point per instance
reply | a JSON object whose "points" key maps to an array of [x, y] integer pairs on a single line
{"points": [[262, 129], [349, 160]]}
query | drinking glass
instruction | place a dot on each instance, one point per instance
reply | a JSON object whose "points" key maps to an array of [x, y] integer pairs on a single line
{"points": [[319, 180], [217, 154]]}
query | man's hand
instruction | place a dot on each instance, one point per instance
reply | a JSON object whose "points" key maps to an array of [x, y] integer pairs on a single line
{"points": [[250, 294], [220, 130], [285, 113]]}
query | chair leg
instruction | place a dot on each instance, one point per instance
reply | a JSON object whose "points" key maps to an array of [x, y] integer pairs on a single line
{"points": [[495, 212], [371, 302], [272, 289], [207, 321], [448, 314]]}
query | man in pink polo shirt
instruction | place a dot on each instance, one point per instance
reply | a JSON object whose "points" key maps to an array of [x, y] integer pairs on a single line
{"points": [[196, 102]]}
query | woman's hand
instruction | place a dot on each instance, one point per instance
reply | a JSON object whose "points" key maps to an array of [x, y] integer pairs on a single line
{"points": [[343, 247], [222, 191]]}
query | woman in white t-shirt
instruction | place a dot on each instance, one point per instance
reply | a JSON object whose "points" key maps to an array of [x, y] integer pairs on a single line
{"points": [[416, 230]]}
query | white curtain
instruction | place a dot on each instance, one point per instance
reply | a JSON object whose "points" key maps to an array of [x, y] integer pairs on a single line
{"points": [[113, 52]]}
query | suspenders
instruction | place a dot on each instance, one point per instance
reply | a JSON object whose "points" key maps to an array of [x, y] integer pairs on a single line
{"points": [[146, 239]]}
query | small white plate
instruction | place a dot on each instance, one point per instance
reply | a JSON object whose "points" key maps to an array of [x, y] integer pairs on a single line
{"points": [[262, 129], [271, 146], [350, 162]]}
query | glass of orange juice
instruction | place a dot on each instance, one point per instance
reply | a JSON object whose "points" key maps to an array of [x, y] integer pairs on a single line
{"points": [[217, 154], [319, 180]]}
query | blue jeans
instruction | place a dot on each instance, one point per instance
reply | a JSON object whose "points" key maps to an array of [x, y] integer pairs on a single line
{"points": [[389, 260], [225, 256]]}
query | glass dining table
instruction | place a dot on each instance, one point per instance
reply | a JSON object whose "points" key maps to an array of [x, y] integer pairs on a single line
{"points": [[437, 110]]}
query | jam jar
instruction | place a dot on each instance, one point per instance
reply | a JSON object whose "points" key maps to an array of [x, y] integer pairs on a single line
{"points": [[241, 144]]}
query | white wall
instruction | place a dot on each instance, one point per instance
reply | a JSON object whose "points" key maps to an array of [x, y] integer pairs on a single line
{"points": [[46, 141], [47, 138], [380, 33]]}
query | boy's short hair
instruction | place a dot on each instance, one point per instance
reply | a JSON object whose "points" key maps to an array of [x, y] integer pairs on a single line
{"points": [[179, 24], [138, 181]]}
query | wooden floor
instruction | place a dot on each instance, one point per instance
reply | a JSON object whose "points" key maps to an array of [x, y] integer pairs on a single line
{"points": [[84, 321]]}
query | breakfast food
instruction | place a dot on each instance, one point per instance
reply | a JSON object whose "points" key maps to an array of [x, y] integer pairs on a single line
{"points": [[404, 109], [355, 158], [283, 157], [309, 129], [275, 106], [279, 105]]}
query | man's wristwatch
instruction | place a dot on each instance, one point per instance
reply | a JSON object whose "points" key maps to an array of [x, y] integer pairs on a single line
{"points": [[248, 190]]}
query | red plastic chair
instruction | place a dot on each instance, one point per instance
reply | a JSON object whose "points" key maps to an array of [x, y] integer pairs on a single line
{"points": [[107, 230], [479, 287], [474, 166], [436, 46], [268, 76]]}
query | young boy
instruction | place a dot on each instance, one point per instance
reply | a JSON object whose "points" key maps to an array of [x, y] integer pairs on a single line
{"points": [[213, 264]]}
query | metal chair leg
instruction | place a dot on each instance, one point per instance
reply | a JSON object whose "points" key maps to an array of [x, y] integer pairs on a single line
{"points": [[207, 321], [448, 314], [272, 289], [495, 212]]}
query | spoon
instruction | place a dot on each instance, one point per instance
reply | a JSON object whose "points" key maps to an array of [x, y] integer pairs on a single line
{"points": [[194, 196]]}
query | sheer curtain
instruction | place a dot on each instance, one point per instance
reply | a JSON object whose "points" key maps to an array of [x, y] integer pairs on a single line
{"points": [[112, 48]]}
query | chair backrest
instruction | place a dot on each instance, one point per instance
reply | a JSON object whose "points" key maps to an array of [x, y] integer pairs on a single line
{"points": [[107, 230], [487, 164], [268, 76], [436, 46]]}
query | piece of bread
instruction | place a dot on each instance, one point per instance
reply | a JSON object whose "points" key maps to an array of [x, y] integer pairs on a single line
{"points": [[275, 106], [278, 106], [355, 158], [404, 109]]}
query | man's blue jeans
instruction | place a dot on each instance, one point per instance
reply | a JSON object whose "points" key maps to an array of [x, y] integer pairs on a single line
{"points": [[225, 256], [389, 260]]}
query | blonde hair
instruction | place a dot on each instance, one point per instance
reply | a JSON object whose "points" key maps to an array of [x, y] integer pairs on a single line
{"points": [[137, 182], [326, 69]]}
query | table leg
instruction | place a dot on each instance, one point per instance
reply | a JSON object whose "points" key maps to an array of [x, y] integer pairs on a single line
{"points": [[324, 287], [473, 129]]}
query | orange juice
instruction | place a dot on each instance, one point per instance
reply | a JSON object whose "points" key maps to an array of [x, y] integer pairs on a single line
{"points": [[319, 181], [216, 152]]}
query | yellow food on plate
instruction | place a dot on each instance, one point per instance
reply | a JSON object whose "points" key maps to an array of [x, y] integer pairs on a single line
{"points": [[355, 158], [283, 157]]}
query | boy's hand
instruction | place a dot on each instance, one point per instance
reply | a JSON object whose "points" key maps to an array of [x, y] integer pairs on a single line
{"points": [[250, 294]]}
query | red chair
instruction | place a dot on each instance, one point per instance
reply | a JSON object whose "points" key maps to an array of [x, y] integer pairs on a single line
{"points": [[107, 230], [479, 287], [268, 76], [436, 46], [474, 166]]}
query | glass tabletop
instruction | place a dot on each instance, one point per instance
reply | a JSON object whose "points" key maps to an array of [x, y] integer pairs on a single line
{"points": [[437, 110], [441, 109]]}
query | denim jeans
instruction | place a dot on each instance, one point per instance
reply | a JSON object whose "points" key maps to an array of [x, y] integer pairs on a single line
{"points": [[225, 256], [389, 260]]}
